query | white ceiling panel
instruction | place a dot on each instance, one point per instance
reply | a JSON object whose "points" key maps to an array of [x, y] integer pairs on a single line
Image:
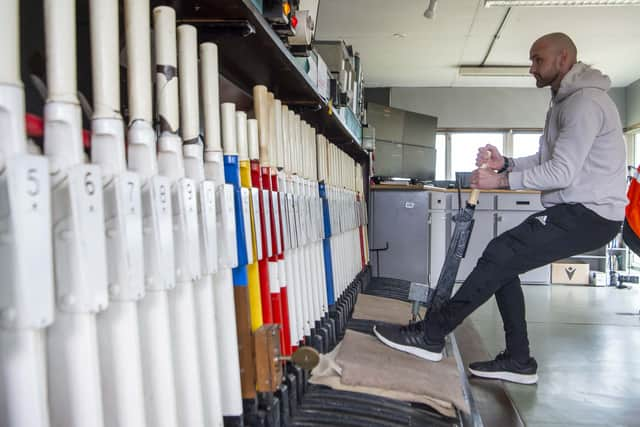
{"points": [[461, 33]]}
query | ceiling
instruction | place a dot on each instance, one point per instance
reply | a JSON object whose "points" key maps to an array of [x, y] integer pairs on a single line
{"points": [[461, 33]]}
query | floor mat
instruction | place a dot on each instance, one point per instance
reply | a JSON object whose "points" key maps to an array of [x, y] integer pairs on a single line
{"points": [[361, 363], [329, 373], [367, 362], [370, 307]]}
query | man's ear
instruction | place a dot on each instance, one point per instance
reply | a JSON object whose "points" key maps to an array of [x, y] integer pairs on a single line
{"points": [[564, 57]]}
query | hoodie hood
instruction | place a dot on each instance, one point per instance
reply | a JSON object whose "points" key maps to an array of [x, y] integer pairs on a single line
{"points": [[581, 76]]}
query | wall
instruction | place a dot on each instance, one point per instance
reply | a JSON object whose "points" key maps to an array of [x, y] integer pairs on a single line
{"points": [[457, 107], [633, 104]]}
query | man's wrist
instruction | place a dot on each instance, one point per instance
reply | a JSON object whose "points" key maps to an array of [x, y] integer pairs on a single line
{"points": [[507, 166]]}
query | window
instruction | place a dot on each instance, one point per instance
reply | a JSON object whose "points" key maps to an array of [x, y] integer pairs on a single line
{"points": [[441, 156], [464, 148], [525, 144]]}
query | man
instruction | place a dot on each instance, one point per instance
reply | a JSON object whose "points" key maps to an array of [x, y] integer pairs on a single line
{"points": [[580, 170]]}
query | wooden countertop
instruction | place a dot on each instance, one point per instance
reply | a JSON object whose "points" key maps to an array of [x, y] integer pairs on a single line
{"points": [[420, 187]]}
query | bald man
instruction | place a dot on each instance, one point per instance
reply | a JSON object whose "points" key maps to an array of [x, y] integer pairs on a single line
{"points": [[580, 172]]}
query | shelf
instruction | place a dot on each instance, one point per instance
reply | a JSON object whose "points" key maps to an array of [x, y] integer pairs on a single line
{"points": [[251, 53]]}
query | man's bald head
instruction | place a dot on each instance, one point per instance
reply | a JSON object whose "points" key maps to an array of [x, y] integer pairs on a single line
{"points": [[560, 42], [552, 56]]}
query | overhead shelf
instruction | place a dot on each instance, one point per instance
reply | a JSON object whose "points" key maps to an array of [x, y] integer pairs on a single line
{"points": [[251, 53]]}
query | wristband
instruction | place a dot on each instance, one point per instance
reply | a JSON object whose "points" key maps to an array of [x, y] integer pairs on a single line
{"points": [[506, 166]]}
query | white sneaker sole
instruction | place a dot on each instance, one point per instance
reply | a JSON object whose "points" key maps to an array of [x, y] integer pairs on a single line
{"points": [[419, 352], [507, 376]]}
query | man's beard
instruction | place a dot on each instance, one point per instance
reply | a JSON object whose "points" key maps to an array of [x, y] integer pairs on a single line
{"points": [[540, 82]]}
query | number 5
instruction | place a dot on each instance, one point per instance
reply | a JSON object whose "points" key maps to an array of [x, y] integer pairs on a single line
{"points": [[32, 177]]}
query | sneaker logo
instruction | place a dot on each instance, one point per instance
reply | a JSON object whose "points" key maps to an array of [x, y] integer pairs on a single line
{"points": [[542, 219], [570, 271]]}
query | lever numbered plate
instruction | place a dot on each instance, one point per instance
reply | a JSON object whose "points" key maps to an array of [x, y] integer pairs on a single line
{"points": [[79, 241], [123, 226], [26, 258]]}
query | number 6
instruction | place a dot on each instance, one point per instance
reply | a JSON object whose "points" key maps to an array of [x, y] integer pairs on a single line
{"points": [[89, 186]]}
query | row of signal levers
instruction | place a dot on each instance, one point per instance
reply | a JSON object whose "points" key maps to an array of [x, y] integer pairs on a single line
{"points": [[164, 282]]}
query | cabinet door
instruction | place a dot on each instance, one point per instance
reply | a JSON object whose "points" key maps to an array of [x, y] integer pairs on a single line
{"points": [[480, 237], [508, 220], [400, 219]]}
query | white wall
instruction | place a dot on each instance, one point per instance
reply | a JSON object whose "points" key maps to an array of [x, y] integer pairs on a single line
{"points": [[457, 107], [633, 104]]}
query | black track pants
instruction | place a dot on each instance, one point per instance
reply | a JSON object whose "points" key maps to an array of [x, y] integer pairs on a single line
{"points": [[547, 236]]}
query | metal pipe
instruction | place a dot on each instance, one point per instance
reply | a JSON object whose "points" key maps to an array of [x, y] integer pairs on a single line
{"points": [[9, 43], [26, 267], [159, 264], [79, 235], [105, 72], [164, 20], [240, 274], [224, 304], [141, 135], [188, 82], [60, 48], [246, 176], [11, 88], [118, 336], [138, 42], [185, 224], [63, 120], [210, 99], [203, 301]]}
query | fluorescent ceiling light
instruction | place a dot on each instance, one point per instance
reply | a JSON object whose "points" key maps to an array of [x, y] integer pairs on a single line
{"points": [[493, 71], [564, 3]]}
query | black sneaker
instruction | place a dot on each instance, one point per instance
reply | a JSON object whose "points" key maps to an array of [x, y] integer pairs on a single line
{"points": [[410, 339], [505, 368]]}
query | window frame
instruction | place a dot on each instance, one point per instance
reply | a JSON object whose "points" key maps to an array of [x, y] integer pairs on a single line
{"points": [[507, 138]]}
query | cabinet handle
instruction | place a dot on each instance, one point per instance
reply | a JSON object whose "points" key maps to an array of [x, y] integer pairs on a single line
{"points": [[498, 218], [523, 202]]}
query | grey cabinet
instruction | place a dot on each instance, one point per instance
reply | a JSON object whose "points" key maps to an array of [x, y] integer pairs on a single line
{"points": [[399, 218], [389, 122], [417, 225], [495, 213], [405, 142]]}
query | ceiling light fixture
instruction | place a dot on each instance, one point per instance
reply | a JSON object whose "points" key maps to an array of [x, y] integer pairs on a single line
{"points": [[430, 13], [559, 3], [493, 71]]}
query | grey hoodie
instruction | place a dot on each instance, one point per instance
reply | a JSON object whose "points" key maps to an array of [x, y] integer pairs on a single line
{"points": [[582, 155]]}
